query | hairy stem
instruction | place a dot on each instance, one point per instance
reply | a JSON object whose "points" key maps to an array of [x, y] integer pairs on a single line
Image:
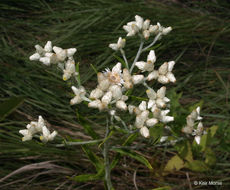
{"points": [[106, 159], [137, 56], [124, 57], [154, 41]]}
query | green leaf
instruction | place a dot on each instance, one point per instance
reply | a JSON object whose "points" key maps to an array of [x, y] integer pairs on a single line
{"points": [[94, 159], [185, 151], [89, 177], [213, 130], [127, 142], [197, 166], [156, 132], [88, 128], [9, 105], [175, 163], [134, 155], [210, 157]]}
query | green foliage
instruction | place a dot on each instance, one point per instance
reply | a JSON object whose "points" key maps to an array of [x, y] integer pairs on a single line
{"points": [[9, 105], [175, 163], [133, 155]]}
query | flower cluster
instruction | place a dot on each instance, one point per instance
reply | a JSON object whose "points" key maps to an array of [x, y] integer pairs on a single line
{"points": [[144, 28], [38, 127], [56, 55], [109, 95], [192, 128]]}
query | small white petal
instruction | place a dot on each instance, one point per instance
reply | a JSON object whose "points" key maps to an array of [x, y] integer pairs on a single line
{"points": [[45, 131], [171, 65], [48, 46], [117, 68], [146, 24], [121, 105], [106, 99], [96, 93], [161, 92], [45, 60], [142, 106], [139, 21], [152, 75], [171, 77], [151, 56], [197, 139], [163, 79], [35, 57], [163, 69], [151, 122], [151, 94], [71, 52], [116, 91], [165, 31], [137, 79], [141, 65], [144, 132], [113, 46], [151, 103], [94, 104]]}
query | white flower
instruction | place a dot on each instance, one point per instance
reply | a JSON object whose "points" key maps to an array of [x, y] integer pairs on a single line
{"points": [[119, 45], [163, 30], [144, 132], [149, 65], [46, 136], [165, 74], [40, 51], [62, 54], [37, 127], [190, 121], [136, 79], [69, 70], [27, 134], [115, 76], [157, 99], [79, 95], [161, 115]]}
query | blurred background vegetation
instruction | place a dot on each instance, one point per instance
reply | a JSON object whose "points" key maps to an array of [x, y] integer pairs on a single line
{"points": [[200, 42]]}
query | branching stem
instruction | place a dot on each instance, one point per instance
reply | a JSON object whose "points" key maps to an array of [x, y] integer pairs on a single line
{"points": [[137, 56]]}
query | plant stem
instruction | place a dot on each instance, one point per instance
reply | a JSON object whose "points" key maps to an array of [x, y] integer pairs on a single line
{"points": [[154, 41], [106, 159], [137, 56], [124, 57]]}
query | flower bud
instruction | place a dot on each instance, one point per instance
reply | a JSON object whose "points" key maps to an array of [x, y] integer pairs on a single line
{"points": [[121, 105], [151, 122], [137, 79], [144, 132]]}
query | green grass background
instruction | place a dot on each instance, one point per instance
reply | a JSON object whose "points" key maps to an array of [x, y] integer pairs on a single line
{"points": [[200, 42]]}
